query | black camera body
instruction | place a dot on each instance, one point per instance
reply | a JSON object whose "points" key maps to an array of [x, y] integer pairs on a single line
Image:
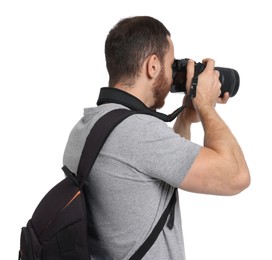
{"points": [[229, 78]]}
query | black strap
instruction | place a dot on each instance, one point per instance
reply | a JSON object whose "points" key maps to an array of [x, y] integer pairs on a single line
{"points": [[70, 175], [94, 142], [198, 68], [114, 95], [96, 139], [142, 250]]}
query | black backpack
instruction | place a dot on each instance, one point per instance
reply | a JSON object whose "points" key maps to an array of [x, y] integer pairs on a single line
{"points": [[58, 227]]}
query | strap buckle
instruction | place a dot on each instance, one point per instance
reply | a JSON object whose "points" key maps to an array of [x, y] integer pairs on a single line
{"points": [[193, 87]]}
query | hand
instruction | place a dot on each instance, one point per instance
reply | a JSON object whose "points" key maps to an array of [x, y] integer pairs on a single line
{"points": [[208, 87]]}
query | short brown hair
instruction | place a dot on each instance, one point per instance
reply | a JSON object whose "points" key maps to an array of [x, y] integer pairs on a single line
{"points": [[129, 43]]}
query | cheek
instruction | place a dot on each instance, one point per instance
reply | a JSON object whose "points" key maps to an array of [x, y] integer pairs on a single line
{"points": [[169, 74], [169, 77]]}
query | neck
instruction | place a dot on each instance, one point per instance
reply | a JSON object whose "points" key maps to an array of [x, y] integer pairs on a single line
{"points": [[118, 96], [139, 91]]}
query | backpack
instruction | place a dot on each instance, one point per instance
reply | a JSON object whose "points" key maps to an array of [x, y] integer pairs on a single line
{"points": [[57, 229]]}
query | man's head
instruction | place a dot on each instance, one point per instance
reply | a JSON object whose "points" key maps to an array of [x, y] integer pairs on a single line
{"points": [[130, 45]]}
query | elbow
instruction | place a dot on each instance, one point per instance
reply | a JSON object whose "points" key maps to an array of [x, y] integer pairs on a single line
{"points": [[240, 182]]}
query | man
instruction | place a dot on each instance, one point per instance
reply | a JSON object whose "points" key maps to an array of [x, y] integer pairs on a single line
{"points": [[144, 160]]}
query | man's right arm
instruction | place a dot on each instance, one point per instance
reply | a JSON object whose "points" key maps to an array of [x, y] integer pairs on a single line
{"points": [[220, 167]]}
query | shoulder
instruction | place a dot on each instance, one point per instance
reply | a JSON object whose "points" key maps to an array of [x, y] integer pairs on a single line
{"points": [[146, 120], [135, 123], [146, 127]]}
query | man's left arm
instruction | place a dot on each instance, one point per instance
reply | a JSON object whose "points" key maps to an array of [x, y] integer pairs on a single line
{"points": [[185, 119]]}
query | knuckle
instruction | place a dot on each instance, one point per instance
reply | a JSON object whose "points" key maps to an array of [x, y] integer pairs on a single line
{"points": [[216, 73], [212, 60]]}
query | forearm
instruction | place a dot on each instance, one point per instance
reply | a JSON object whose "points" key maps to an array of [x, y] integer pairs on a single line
{"points": [[217, 135], [182, 127], [219, 138]]}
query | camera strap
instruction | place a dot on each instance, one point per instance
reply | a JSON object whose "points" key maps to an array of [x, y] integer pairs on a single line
{"points": [[193, 87], [114, 95]]}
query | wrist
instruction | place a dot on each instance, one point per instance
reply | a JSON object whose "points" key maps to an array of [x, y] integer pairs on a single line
{"points": [[184, 121], [204, 110], [182, 126]]}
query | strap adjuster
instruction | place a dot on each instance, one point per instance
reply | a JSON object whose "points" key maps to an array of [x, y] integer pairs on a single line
{"points": [[193, 87]]}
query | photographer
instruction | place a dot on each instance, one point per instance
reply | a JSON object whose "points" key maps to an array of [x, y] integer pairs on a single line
{"points": [[144, 160]]}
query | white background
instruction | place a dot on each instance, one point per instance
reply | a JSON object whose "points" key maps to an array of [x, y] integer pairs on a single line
{"points": [[52, 65]]}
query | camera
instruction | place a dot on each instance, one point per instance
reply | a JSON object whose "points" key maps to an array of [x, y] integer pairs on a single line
{"points": [[229, 78]]}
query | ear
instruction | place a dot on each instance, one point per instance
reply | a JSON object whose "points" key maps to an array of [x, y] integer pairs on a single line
{"points": [[153, 66]]}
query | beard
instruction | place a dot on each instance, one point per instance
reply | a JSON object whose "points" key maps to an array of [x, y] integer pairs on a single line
{"points": [[161, 89]]}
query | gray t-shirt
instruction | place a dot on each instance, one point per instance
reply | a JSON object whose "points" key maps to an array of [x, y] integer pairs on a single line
{"points": [[131, 184]]}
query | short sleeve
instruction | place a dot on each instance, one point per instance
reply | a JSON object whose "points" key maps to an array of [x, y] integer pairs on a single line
{"points": [[154, 149]]}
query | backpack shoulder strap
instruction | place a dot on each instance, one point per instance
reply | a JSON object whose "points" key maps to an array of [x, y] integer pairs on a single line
{"points": [[150, 240], [94, 142], [96, 139]]}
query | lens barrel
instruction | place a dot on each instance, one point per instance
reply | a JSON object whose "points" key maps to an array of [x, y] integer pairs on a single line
{"points": [[230, 81]]}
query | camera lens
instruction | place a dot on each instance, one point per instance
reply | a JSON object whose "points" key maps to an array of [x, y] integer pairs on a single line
{"points": [[229, 79]]}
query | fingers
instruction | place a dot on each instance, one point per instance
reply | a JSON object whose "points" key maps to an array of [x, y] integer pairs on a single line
{"points": [[218, 83], [224, 99], [215, 74], [209, 63]]}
